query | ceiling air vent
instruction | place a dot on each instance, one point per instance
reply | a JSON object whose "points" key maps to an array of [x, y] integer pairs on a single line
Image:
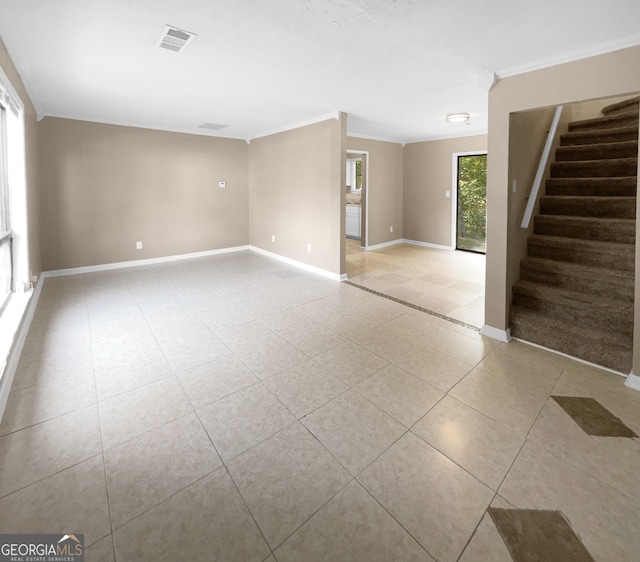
{"points": [[175, 39], [211, 126]]}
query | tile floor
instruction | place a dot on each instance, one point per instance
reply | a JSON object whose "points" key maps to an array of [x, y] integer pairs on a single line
{"points": [[235, 408], [445, 282]]}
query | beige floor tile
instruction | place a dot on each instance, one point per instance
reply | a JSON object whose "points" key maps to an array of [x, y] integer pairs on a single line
{"points": [[210, 382], [467, 287], [305, 387], [71, 501], [36, 452], [191, 353], [461, 344], [434, 499], [614, 460], [246, 335], [602, 517], [206, 521], [244, 419], [272, 358], [352, 526], [148, 469], [285, 480], [499, 400], [354, 430], [101, 551], [478, 444], [401, 395], [433, 367], [133, 371], [422, 286], [525, 366], [133, 413], [404, 293], [437, 304], [42, 402], [314, 340], [452, 295], [350, 363], [468, 315], [286, 322]]}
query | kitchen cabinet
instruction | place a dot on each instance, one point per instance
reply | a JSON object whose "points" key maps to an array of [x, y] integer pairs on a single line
{"points": [[353, 221]]}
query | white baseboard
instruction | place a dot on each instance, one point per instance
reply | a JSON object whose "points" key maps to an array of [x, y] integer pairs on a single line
{"points": [[496, 333], [427, 244], [383, 245], [633, 381], [305, 266], [138, 263], [16, 350]]}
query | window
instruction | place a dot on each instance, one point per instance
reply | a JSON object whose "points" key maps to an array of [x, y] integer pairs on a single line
{"points": [[354, 174], [6, 251], [14, 262]]}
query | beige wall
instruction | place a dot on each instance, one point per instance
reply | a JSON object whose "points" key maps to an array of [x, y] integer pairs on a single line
{"points": [[105, 187], [296, 193], [428, 166], [527, 137], [384, 198], [32, 168], [606, 75]]}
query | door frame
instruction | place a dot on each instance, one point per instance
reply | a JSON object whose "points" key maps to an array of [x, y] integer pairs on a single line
{"points": [[364, 200], [454, 192]]}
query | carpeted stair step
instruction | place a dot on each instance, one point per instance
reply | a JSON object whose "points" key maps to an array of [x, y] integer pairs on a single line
{"points": [[615, 120], [600, 136], [599, 151], [611, 350], [586, 252], [587, 206], [597, 311], [611, 283], [611, 187], [623, 106], [587, 228], [618, 167]]}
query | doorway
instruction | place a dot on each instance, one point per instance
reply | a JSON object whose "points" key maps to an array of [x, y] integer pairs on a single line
{"points": [[471, 201], [357, 190]]}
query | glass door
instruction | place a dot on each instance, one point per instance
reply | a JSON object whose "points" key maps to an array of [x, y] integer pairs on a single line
{"points": [[471, 216]]}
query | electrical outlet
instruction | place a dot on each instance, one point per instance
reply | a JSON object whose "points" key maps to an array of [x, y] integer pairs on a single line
{"points": [[138, 245], [222, 184], [390, 229], [308, 247], [447, 194], [273, 238]]}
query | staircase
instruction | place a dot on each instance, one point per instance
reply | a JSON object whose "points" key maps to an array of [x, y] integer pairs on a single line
{"points": [[575, 292]]}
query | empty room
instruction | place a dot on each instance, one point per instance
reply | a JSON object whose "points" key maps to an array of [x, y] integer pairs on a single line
{"points": [[340, 280]]}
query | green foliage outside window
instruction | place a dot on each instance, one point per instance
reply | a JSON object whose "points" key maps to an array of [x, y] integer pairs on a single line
{"points": [[472, 192]]}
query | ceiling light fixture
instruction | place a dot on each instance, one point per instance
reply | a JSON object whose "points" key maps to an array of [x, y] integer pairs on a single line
{"points": [[457, 117]]}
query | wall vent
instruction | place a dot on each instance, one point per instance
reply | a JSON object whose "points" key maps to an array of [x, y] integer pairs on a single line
{"points": [[174, 39], [211, 126]]}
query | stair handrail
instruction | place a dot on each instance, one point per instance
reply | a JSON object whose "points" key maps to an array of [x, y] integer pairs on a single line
{"points": [[542, 166]]}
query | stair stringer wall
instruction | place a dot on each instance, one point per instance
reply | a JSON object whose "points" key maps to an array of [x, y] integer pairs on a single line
{"points": [[528, 132]]}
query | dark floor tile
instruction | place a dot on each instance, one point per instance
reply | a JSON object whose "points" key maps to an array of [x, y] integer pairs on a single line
{"points": [[593, 417], [538, 536]]}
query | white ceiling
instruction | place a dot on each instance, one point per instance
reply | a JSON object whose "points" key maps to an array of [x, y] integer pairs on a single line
{"points": [[395, 66]]}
